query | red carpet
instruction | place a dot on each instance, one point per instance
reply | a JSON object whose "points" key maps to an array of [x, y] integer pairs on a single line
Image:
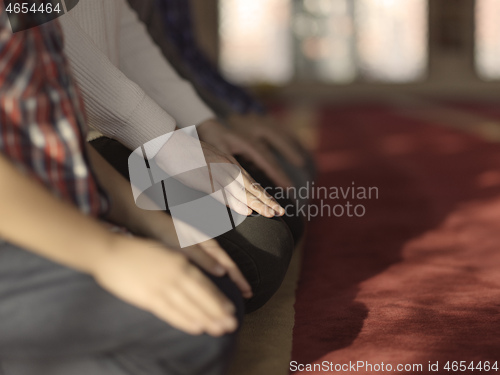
{"points": [[417, 279]]}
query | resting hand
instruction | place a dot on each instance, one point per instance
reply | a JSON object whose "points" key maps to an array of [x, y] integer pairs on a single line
{"points": [[162, 281], [213, 259], [250, 148], [243, 195], [264, 130]]}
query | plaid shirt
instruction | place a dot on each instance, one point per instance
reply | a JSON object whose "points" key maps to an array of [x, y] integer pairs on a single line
{"points": [[179, 29], [41, 114]]}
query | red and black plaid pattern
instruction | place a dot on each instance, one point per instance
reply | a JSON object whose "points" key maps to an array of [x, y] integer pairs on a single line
{"points": [[42, 123]]}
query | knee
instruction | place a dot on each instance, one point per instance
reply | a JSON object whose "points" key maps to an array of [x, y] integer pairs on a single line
{"points": [[271, 241], [295, 221], [262, 248], [276, 245], [272, 259]]}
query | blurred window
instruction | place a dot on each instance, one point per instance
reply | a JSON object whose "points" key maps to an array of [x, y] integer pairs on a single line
{"points": [[324, 40], [392, 39], [335, 41], [487, 46], [255, 40]]}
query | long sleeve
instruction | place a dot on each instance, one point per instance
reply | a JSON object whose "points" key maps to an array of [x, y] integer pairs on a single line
{"points": [[116, 106], [142, 61]]}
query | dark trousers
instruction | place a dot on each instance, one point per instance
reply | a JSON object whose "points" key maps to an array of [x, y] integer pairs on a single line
{"points": [[56, 321], [261, 247]]}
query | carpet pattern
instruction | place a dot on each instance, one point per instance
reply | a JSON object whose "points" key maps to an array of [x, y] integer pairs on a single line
{"points": [[417, 278]]}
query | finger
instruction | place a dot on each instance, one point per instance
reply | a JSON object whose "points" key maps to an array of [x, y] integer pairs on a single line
{"points": [[211, 304], [236, 199], [229, 200], [235, 192], [213, 248], [285, 147], [190, 309], [165, 311], [259, 192], [265, 160], [256, 197], [224, 179], [239, 193], [204, 260], [207, 295], [259, 206], [253, 197]]}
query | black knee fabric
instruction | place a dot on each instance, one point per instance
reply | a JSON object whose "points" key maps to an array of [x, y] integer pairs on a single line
{"points": [[261, 247], [296, 223]]}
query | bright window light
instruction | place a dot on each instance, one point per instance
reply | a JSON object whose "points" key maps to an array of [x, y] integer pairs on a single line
{"points": [[337, 41], [255, 40], [391, 39], [487, 46]]}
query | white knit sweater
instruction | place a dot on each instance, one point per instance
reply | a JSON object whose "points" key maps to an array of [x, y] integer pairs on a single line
{"points": [[131, 92]]}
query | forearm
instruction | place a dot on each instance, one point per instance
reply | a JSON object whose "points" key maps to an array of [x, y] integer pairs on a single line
{"points": [[124, 211], [116, 106], [35, 220], [142, 61]]}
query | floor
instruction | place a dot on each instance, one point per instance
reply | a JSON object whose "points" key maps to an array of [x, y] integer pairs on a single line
{"points": [[416, 278], [413, 281]]}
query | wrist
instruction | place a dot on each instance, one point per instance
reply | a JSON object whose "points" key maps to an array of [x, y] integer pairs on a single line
{"points": [[162, 229], [116, 246], [104, 250]]}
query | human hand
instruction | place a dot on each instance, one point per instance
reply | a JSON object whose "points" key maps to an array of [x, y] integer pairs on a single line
{"points": [[213, 259], [243, 195], [264, 130], [232, 143], [162, 281], [207, 254]]}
